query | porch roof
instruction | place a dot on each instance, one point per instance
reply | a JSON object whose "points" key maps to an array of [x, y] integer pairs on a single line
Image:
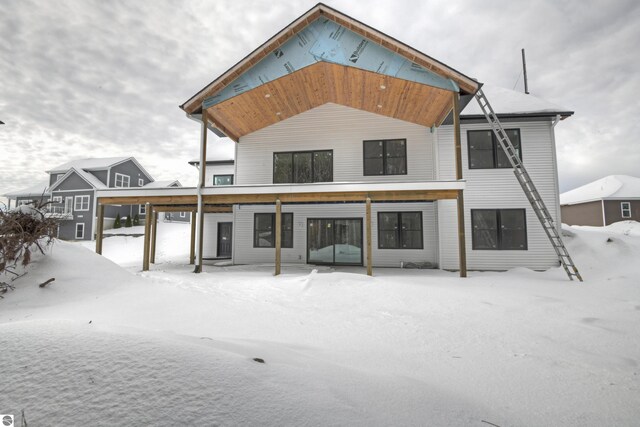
{"points": [[286, 193]]}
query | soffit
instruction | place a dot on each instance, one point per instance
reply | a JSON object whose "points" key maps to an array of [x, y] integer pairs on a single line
{"points": [[325, 82]]}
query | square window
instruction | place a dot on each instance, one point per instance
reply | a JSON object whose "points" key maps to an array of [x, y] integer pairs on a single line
{"points": [[501, 229], [400, 230], [122, 181], [385, 157], [485, 151], [264, 225], [81, 203]]}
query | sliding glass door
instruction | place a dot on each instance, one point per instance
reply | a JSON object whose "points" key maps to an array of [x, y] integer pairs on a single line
{"points": [[334, 241]]}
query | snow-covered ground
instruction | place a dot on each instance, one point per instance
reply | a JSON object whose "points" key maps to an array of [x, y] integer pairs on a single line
{"points": [[105, 344]]}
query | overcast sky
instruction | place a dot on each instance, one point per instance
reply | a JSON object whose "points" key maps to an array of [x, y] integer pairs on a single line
{"points": [[104, 78]]}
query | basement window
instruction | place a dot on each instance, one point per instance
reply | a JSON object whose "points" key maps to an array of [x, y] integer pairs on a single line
{"points": [[385, 157], [485, 151], [264, 225], [303, 167], [625, 207], [499, 229], [79, 231], [400, 230]]}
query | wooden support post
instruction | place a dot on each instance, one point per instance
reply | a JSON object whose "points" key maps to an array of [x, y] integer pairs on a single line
{"points": [[456, 134], [154, 232], [192, 247], [147, 240], [462, 250], [201, 184], [99, 229], [278, 236], [368, 226]]}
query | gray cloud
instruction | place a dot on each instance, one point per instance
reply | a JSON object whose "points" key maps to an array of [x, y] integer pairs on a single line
{"points": [[91, 78]]}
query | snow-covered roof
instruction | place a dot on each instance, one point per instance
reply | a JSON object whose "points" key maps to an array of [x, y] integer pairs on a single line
{"points": [[89, 164], [90, 178], [33, 191], [609, 187], [163, 184], [507, 101]]}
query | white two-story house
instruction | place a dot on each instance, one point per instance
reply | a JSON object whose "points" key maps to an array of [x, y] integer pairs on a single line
{"points": [[353, 148]]}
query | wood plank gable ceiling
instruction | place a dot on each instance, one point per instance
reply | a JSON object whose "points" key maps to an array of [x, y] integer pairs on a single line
{"points": [[242, 101]]}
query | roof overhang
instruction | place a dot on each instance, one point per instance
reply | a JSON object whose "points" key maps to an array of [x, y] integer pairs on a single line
{"points": [[325, 82], [333, 53]]}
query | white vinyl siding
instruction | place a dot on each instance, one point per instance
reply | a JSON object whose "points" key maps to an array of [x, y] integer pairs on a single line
{"points": [[212, 170], [210, 229], [499, 189], [338, 128], [245, 253]]}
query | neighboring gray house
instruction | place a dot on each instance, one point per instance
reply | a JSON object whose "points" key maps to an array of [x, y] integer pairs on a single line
{"points": [[605, 201], [72, 190], [35, 193]]}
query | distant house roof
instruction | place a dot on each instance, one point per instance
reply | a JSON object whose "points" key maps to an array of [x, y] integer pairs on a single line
{"points": [[507, 102], [163, 184], [612, 187], [91, 179], [89, 164], [36, 190]]}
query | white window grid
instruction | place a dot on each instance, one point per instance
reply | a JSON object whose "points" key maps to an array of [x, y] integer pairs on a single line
{"points": [[81, 203], [122, 181], [142, 209], [625, 208], [80, 228]]}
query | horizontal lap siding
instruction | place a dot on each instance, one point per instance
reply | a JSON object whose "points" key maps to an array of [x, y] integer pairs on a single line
{"points": [[245, 253], [212, 170], [341, 129], [210, 230], [499, 189]]}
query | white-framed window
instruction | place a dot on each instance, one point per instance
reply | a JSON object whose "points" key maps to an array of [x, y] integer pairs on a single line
{"points": [[79, 230], [68, 205], [140, 182], [81, 203], [142, 209], [183, 214], [122, 181], [625, 207], [56, 205]]}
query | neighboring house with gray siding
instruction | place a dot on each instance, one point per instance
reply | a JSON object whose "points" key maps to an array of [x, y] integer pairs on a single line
{"points": [[38, 193], [605, 201], [72, 190]]}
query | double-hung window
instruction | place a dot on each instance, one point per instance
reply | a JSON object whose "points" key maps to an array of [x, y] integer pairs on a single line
{"points": [[264, 225], [501, 229], [400, 230], [80, 230], [625, 208], [302, 167], [122, 181], [485, 151], [81, 203], [385, 157], [142, 209]]}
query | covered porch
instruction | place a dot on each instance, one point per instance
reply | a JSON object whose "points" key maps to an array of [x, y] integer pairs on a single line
{"points": [[222, 199]]}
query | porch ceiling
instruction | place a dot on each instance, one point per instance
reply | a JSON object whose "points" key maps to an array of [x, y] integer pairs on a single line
{"points": [[325, 82]]}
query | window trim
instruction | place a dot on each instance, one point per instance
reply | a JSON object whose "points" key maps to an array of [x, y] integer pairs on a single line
{"points": [[142, 209], [121, 175], [399, 233], [273, 227], [496, 147], [273, 173], [140, 182], [226, 174], [622, 209], [81, 197], [384, 158], [183, 214], [499, 228], [76, 231]]}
